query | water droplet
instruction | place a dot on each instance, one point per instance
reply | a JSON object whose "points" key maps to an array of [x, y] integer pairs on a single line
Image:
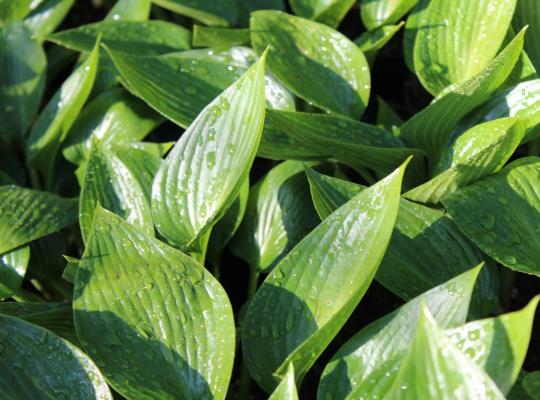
{"points": [[508, 259], [211, 159]]}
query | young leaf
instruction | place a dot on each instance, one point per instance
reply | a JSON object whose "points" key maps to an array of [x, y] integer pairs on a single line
{"points": [[23, 64], [27, 214], [46, 17], [12, 269], [131, 37], [480, 151], [328, 12], [130, 10], [279, 214], [205, 36], [355, 369], [316, 62], [500, 214], [286, 390], [468, 35], [376, 13], [310, 294], [210, 12], [170, 331], [39, 365], [202, 174], [528, 13], [58, 116]]}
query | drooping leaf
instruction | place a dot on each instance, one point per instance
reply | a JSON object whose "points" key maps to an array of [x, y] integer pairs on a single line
{"points": [[468, 35], [376, 13], [202, 174], [171, 332], [528, 13], [111, 184], [371, 42], [12, 269], [286, 390], [279, 214], [13, 10], [316, 62], [23, 64], [130, 10], [500, 214], [210, 12], [27, 214], [359, 366], [131, 37], [426, 248], [328, 12], [207, 36], [46, 17], [310, 294], [478, 152]]}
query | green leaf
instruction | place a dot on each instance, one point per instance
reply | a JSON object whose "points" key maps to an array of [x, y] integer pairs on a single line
{"points": [[113, 117], [58, 116], [426, 249], [70, 270], [316, 62], [414, 21], [110, 183], [210, 12], [27, 214], [360, 365], [130, 10], [500, 214], [204, 36], [23, 64], [37, 364], [372, 41], [202, 174], [310, 294], [46, 17], [468, 35], [131, 37], [387, 118], [531, 384], [480, 151], [171, 332], [376, 13], [246, 7], [328, 12], [279, 214], [286, 390], [528, 13], [13, 10], [430, 128], [12, 270]]}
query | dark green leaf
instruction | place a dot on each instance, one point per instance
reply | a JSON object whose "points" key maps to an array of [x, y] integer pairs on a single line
{"points": [[246, 7], [220, 37], [528, 13], [376, 13], [328, 12], [210, 12], [46, 17], [130, 10], [12, 269], [531, 384]]}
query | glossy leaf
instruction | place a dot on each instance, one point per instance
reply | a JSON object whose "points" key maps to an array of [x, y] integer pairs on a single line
{"points": [[12, 269], [204, 36], [352, 372], [26, 215], [528, 13], [111, 184], [334, 72], [210, 12], [371, 42], [500, 214], [58, 116], [279, 214], [328, 12], [46, 17], [478, 152], [171, 332], [376, 13], [39, 364], [246, 7], [457, 39], [202, 174], [131, 37], [286, 390], [130, 10], [13, 10], [414, 21], [310, 294], [426, 248], [22, 81]]}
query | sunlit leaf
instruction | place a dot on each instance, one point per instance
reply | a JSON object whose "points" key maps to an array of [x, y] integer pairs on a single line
{"points": [[328, 12]]}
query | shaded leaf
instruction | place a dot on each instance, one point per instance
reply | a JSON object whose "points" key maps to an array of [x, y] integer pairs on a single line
{"points": [[204, 36], [376, 13], [371, 42], [328, 12], [286, 390], [210, 12], [531, 384], [528, 13], [246, 7], [12, 269]]}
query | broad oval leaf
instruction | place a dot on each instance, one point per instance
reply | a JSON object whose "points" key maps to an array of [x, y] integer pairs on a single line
{"points": [[202, 174], [457, 39], [316, 62], [286, 390], [500, 214], [211, 12], [328, 12], [39, 364], [46, 17], [170, 333], [376, 13], [132, 37], [12, 270], [23, 65], [310, 294], [27, 214], [279, 214]]}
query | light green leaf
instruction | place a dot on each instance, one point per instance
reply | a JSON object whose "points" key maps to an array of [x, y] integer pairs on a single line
{"points": [[12, 269], [328, 12], [316, 62], [13, 10], [131, 37], [23, 65], [480, 151], [37, 364], [27, 214], [130, 10], [58, 116], [430, 128], [426, 248], [414, 21], [156, 149], [372, 41], [110, 183], [360, 365], [286, 390], [528, 13], [173, 325], [310, 294], [279, 214], [246, 7], [457, 39], [376, 13], [500, 214], [210, 12], [204, 36], [202, 174], [113, 117], [46, 17]]}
